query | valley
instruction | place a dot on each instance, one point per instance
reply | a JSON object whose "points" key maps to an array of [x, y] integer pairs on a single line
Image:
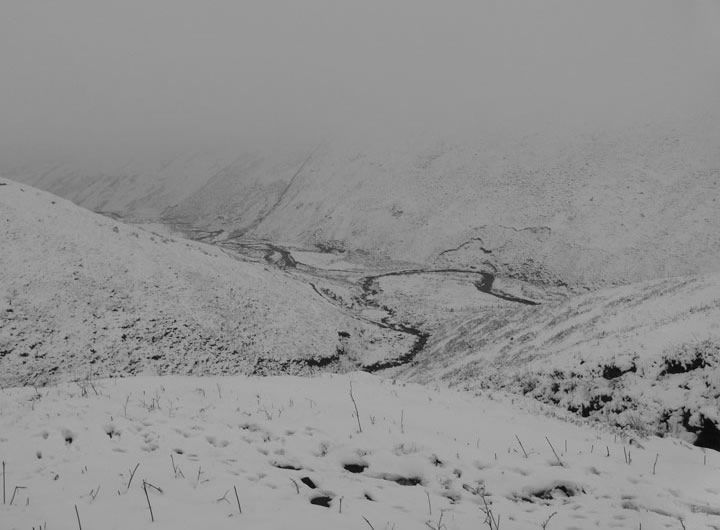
{"points": [[475, 331], [357, 289], [363, 265]]}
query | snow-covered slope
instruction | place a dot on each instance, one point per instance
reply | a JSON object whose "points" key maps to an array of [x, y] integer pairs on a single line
{"points": [[135, 186], [591, 209], [645, 356], [284, 452], [81, 294], [588, 211]]}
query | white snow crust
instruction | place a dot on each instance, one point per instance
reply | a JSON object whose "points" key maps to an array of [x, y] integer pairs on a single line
{"points": [[422, 454]]}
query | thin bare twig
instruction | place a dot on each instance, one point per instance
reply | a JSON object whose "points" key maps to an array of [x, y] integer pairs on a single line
{"points": [[237, 499], [152, 517], [368, 522], [77, 513], [521, 446], [14, 492], [297, 488], [94, 493], [439, 525], [547, 521], [553, 450], [493, 523], [159, 490], [224, 497], [127, 400], [132, 474], [357, 414]]}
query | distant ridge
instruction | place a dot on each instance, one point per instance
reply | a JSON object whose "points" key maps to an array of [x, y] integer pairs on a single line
{"points": [[585, 211]]}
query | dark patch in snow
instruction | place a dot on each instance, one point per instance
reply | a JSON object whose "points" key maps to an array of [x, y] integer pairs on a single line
{"points": [[355, 468], [595, 404], [68, 436], [408, 481], [399, 479], [301, 366], [322, 500], [557, 490], [708, 436], [308, 482], [434, 460], [111, 431], [610, 371], [285, 465], [678, 366]]}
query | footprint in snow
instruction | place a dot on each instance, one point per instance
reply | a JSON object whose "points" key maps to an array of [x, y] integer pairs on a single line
{"points": [[220, 444], [286, 464], [68, 436]]}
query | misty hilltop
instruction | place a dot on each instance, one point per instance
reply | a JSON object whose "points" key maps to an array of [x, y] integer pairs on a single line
{"points": [[584, 212], [563, 144]]}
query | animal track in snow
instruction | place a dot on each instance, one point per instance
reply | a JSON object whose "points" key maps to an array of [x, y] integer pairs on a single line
{"points": [[212, 440], [68, 436]]}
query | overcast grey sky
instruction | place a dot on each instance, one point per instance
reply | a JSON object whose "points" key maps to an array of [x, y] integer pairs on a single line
{"points": [[77, 75]]}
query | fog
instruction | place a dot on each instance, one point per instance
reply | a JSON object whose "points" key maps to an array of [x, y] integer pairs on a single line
{"points": [[144, 76]]}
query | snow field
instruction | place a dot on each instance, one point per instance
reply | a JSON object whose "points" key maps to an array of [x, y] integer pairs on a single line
{"points": [[293, 450], [643, 355], [81, 294]]}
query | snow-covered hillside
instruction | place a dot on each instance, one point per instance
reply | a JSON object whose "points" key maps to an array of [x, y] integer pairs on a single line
{"points": [[645, 356], [366, 265], [284, 452], [82, 295], [595, 209], [137, 188], [85, 296]]}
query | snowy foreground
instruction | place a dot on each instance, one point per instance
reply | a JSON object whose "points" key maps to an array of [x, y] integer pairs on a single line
{"points": [[292, 450]]}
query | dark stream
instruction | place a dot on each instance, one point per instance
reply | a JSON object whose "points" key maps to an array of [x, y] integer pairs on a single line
{"points": [[282, 258]]}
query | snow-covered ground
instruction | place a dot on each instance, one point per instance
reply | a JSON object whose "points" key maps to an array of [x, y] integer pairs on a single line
{"points": [[643, 355], [82, 294], [84, 297], [292, 449], [526, 227]]}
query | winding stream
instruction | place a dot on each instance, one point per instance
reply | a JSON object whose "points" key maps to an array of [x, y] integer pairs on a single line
{"points": [[282, 258]]}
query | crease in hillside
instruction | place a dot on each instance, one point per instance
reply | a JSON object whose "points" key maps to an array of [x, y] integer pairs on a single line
{"points": [[257, 222]]}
